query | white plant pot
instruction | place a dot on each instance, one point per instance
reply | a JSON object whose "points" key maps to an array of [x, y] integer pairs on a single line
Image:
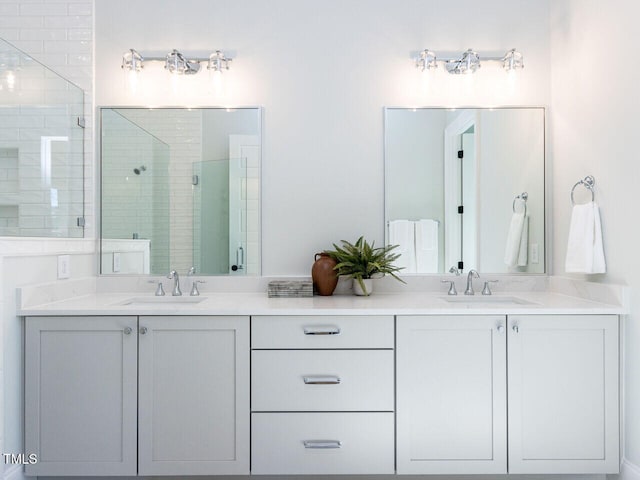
{"points": [[368, 285]]}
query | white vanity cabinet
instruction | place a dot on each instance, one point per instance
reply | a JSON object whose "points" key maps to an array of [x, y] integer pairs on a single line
{"points": [[132, 395], [563, 394], [322, 395], [561, 390], [451, 394], [80, 395], [193, 399]]}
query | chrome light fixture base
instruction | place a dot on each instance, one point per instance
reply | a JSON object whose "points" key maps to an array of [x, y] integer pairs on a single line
{"points": [[469, 62], [175, 62]]}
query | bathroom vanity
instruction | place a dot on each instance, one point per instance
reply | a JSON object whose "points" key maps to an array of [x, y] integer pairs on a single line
{"points": [[397, 383]]}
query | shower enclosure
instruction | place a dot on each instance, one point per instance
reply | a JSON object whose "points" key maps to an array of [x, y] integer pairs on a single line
{"points": [[41, 149]]}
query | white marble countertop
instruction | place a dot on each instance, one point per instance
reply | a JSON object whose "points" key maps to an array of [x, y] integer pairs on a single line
{"points": [[395, 303]]}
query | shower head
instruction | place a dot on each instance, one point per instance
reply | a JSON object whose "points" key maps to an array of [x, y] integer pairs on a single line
{"points": [[141, 168]]}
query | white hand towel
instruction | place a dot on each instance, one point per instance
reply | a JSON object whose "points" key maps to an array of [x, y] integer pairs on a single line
{"points": [[427, 246], [585, 253], [514, 237], [401, 233], [524, 244]]}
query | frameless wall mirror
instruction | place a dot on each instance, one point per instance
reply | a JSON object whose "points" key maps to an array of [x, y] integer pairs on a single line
{"points": [[41, 149], [465, 188], [180, 188]]}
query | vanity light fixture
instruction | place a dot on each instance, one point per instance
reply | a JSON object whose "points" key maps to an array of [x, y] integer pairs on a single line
{"points": [[426, 61], [132, 61], [468, 62], [512, 61], [218, 62], [175, 62]]}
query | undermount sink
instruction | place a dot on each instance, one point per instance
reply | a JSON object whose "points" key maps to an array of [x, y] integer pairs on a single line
{"points": [[166, 300], [487, 299]]}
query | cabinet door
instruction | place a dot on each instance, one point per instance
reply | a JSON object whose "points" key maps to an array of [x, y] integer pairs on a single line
{"points": [[193, 409], [80, 395], [563, 394], [451, 394]]}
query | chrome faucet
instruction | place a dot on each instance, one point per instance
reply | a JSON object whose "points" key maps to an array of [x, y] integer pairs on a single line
{"points": [[472, 273], [194, 284], [176, 284], [455, 271]]}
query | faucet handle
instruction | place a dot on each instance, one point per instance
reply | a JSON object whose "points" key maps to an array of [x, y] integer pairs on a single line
{"points": [[452, 287], [159, 290], [194, 288], [486, 290], [191, 272]]}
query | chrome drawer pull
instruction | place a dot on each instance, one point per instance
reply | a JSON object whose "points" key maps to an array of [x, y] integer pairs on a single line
{"points": [[322, 330], [322, 444], [321, 380]]}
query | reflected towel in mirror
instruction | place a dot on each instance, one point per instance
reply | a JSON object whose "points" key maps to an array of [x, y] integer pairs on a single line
{"points": [[524, 243], [401, 233], [427, 246], [585, 252], [514, 239]]}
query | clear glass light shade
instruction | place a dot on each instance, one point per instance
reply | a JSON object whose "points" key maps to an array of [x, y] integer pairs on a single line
{"points": [[512, 61], [467, 64], [426, 61], [218, 62], [175, 63], [132, 61]]}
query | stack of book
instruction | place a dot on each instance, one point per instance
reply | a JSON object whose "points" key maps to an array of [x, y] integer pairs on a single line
{"points": [[290, 288]]}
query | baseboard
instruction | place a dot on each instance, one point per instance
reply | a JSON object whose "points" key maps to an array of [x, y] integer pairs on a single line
{"points": [[14, 472], [629, 471]]}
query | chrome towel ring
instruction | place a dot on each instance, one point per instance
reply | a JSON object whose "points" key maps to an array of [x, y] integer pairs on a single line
{"points": [[523, 196], [588, 182]]}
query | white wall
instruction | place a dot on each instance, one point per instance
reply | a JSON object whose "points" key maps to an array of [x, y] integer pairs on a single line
{"points": [[593, 123], [323, 71]]}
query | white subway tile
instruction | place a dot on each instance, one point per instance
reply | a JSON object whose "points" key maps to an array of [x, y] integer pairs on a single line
{"points": [[79, 34], [74, 21], [9, 8], [21, 22], [44, 9], [10, 34], [51, 34], [80, 8]]}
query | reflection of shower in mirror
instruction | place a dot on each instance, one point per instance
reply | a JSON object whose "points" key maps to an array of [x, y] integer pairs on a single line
{"points": [[141, 168]]}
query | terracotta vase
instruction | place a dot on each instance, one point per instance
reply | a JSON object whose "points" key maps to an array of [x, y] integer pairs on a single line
{"points": [[323, 275]]}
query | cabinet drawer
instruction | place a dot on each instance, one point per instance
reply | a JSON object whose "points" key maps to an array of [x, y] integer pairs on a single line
{"points": [[325, 331], [322, 443], [328, 380]]}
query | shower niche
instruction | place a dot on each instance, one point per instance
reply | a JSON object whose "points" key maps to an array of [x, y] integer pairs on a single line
{"points": [[41, 149], [180, 189]]}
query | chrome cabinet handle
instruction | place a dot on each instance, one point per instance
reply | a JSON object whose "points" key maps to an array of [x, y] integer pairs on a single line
{"points": [[143, 330], [516, 329], [500, 328], [322, 330], [321, 380], [127, 330], [323, 444]]}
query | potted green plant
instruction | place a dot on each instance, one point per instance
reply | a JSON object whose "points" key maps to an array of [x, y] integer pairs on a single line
{"points": [[362, 262]]}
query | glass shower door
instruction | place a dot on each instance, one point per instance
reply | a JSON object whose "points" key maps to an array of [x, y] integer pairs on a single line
{"points": [[220, 217]]}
